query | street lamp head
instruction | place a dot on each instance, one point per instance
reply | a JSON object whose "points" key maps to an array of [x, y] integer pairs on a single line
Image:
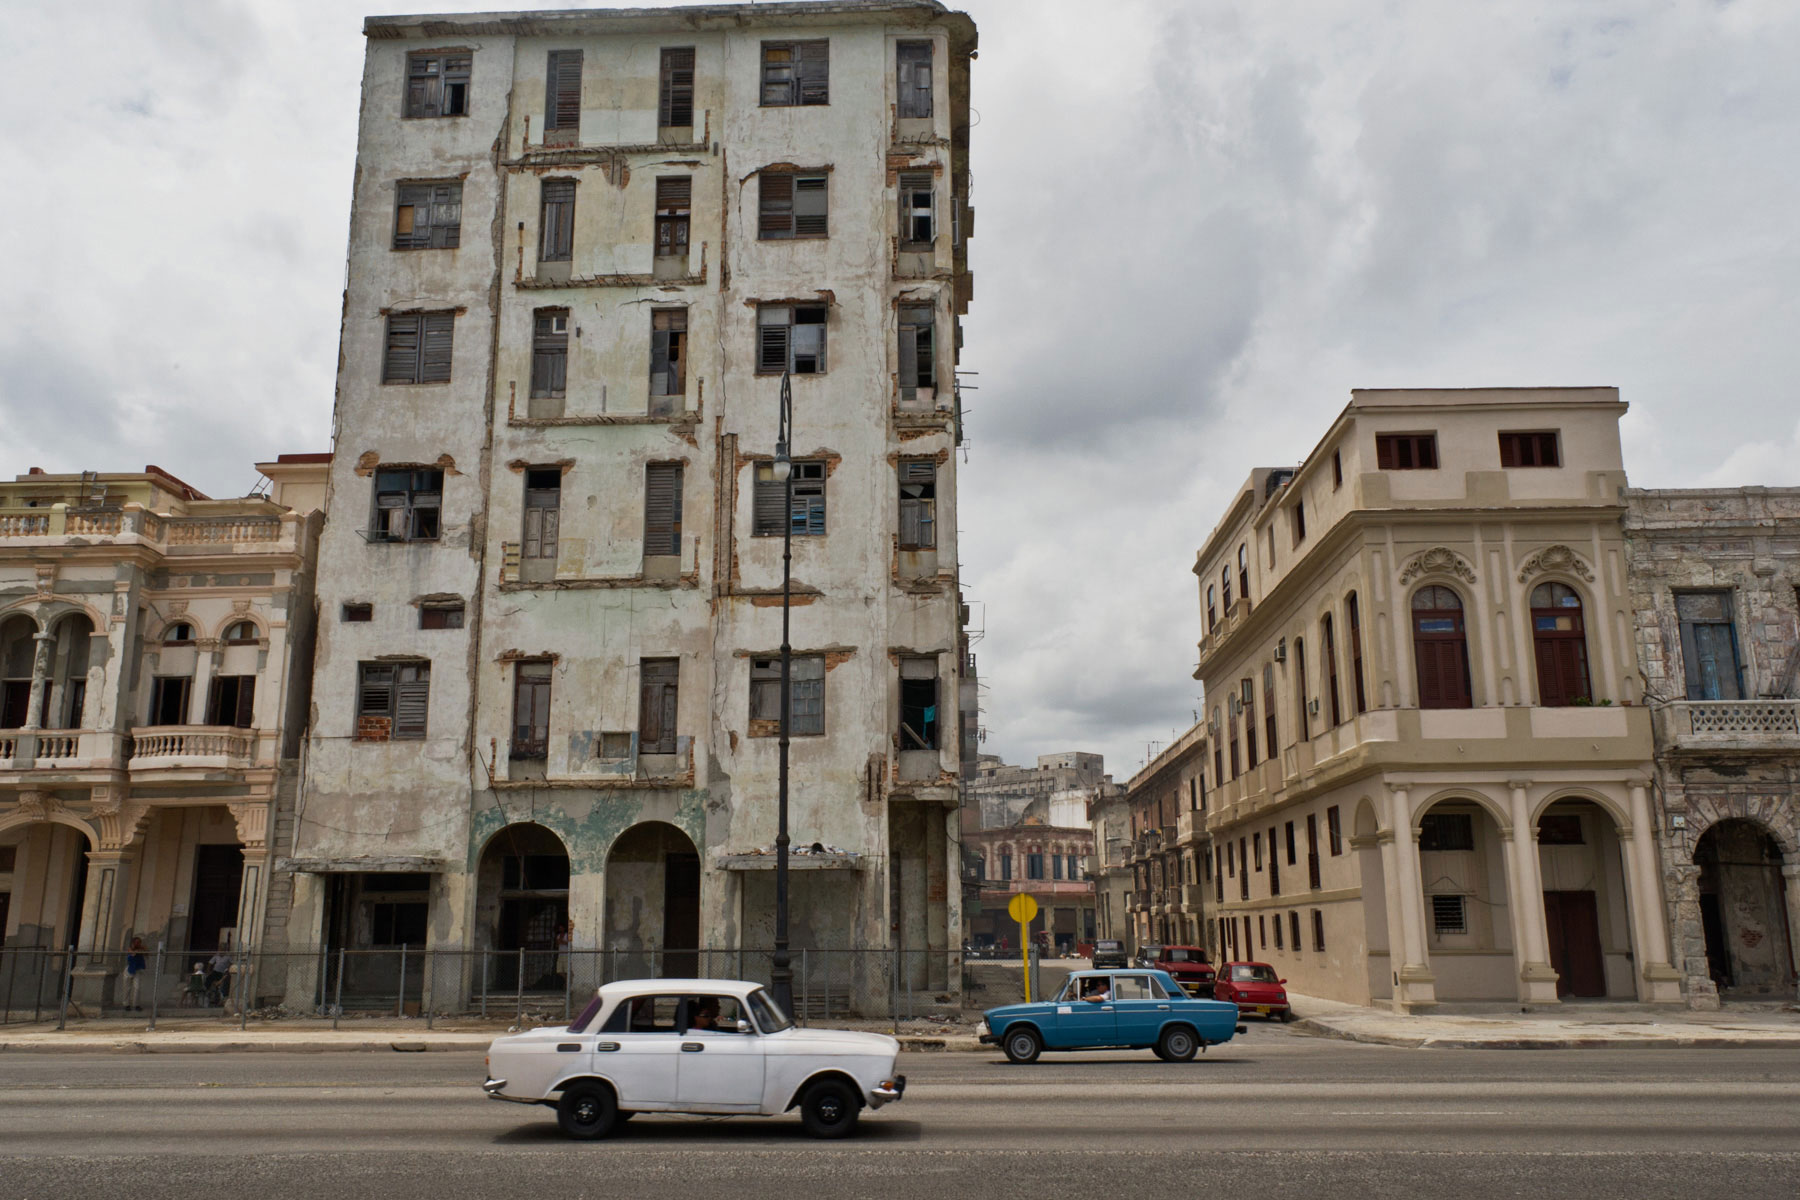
{"points": [[783, 465]]}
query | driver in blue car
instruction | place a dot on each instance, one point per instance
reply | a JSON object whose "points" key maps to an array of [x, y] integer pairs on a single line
{"points": [[1096, 991]]}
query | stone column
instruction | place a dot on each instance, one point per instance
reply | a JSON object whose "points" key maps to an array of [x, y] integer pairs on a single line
{"points": [[1702, 992], [1537, 978], [40, 679], [1417, 987], [205, 656], [102, 907], [1657, 981]]}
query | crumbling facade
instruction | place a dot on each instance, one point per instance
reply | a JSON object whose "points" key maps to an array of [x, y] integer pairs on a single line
{"points": [[1432, 754], [589, 250], [154, 649], [1715, 587], [1002, 792]]}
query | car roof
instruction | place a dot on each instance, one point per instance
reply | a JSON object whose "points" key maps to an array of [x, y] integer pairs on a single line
{"points": [[663, 987]]}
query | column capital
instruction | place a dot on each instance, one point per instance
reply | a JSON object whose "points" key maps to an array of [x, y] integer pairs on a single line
{"points": [[1518, 785], [1789, 870], [1638, 784]]}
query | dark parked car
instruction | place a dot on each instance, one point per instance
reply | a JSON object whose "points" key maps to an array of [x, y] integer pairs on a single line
{"points": [[1109, 953], [1188, 964], [1254, 988]]}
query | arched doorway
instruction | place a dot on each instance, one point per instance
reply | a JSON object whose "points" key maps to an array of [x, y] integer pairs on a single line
{"points": [[18, 646], [653, 899], [1743, 910], [1587, 918], [522, 905], [1468, 925]]}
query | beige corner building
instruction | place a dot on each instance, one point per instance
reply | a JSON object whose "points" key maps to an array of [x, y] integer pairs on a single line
{"points": [[1433, 759]]}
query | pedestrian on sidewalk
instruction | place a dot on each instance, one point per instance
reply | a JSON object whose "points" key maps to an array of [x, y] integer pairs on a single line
{"points": [[134, 975]]}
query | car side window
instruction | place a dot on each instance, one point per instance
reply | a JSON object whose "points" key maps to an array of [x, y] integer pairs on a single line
{"points": [[1131, 987], [714, 1014], [615, 1020], [1156, 989], [1071, 990], [651, 1014]]}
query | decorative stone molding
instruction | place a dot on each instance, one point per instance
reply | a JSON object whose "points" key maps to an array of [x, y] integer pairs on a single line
{"points": [[240, 606], [252, 824], [46, 579], [177, 608], [120, 825], [1439, 560], [1555, 558], [36, 805]]}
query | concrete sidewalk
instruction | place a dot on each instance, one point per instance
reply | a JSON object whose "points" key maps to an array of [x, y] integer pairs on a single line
{"points": [[1575, 1025]]}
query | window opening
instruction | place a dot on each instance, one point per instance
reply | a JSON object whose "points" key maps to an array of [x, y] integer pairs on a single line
{"points": [[916, 336], [556, 221], [418, 347], [674, 197], [806, 517], [1560, 643], [658, 695], [437, 85], [792, 206], [918, 504], [662, 509], [1441, 648], [806, 690], [919, 704], [531, 710], [1709, 651], [427, 216], [791, 338], [562, 93], [550, 353], [1406, 451], [408, 502], [1530, 449], [675, 106], [668, 351], [913, 84], [918, 217], [796, 73]]}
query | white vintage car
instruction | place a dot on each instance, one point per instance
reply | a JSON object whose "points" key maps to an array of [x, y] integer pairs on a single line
{"points": [[693, 1046]]}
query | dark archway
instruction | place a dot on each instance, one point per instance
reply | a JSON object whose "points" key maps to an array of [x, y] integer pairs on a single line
{"points": [[522, 906], [653, 897], [1743, 910]]}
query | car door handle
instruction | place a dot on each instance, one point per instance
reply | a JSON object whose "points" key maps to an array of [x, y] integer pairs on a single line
{"points": [[1162, 1008], [605, 1046], [568, 1047], [1106, 1008], [692, 1047]]}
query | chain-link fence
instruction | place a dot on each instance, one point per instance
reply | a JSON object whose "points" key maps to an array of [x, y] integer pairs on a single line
{"points": [[895, 990]]}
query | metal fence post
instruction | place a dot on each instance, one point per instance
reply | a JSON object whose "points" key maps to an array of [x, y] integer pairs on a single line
{"points": [[156, 982], [519, 982], [805, 1003], [430, 980], [484, 979], [62, 1013], [337, 1008], [400, 1001], [245, 962], [324, 972], [37, 997]]}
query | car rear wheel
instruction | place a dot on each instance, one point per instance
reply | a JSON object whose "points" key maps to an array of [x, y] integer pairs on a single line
{"points": [[1178, 1044], [587, 1111], [1022, 1045], [829, 1109], [1287, 1014]]}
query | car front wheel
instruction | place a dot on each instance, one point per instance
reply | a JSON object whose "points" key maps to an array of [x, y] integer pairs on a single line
{"points": [[587, 1111], [1022, 1045], [1178, 1044], [829, 1109]]}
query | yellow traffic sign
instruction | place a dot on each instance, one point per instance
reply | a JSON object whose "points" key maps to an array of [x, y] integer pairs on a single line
{"points": [[1023, 908]]}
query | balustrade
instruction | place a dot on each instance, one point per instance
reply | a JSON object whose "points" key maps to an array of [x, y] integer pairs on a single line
{"points": [[191, 741]]}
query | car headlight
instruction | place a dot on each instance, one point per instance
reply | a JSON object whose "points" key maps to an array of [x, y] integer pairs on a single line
{"points": [[981, 1028]]}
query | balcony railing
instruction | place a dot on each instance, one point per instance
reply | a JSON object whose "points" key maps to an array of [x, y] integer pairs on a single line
{"points": [[189, 741], [1739, 723], [139, 522]]}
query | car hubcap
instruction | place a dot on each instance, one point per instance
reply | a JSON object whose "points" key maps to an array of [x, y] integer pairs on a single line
{"points": [[1178, 1044], [586, 1112], [830, 1111], [1021, 1046]]}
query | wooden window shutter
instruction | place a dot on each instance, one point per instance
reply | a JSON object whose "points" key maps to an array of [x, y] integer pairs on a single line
{"points": [[434, 355], [662, 508], [676, 106], [412, 695], [657, 704], [375, 696], [913, 83], [812, 71], [766, 503], [562, 97], [668, 340], [772, 346], [245, 717], [811, 197], [775, 206], [557, 221], [401, 361]]}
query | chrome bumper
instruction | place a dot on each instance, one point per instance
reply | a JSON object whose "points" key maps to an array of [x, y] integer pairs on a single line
{"points": [[494, 1088], [887, 1091]]}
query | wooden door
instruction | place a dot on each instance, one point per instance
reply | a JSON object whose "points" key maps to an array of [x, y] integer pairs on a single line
{"points": [[218, 875], [1572, 920]]}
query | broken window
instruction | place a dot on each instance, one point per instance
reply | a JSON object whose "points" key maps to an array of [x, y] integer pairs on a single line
{"points": [[1447, 831], [674, 196], [358, 612], [657, 695], [232, 701], [1561, 645], [1354, 615], [918, 704], [1441, 648], [427, 216], [918, 209], [917, 368], [1406, 451], [1530, 450], [668, 351], [441, 614], [1328, 653], [408, 501], [437, 85], [543, 513], [791, 206], [392, 700], [790, 338], [418, 347], [531, 710], [556, 221], [675, 105], [1709, 651], [806, 691], [796, 73], [562, 94], [806, 517], [912, 63], [662, 509], [169, 699], [550, 353], [918, 504]]}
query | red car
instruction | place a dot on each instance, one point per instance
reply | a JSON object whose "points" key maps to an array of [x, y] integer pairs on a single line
{"points": [[1254, 988], [1188, 964]]}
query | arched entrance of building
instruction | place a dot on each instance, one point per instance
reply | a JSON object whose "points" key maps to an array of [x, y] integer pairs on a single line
{"points": [[653, 898], [1468, 925], [522, 906], [1587, 916], [1743, 910]]}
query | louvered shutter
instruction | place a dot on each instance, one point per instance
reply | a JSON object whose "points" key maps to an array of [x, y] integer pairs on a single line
{"points": [[446, 216], [557, 221], [657, 705], [772, 348], [245, 716], [811, 194], [562, 97], [775, 206], [401, 362], [913, 90], [434, 357], [677, 101], [812, 70], [412, 695], [766, 503], [674, 194], [375, 696], [662, 508]]}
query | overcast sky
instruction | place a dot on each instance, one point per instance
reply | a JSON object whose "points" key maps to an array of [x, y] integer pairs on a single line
{"points": [[1199, 225]]}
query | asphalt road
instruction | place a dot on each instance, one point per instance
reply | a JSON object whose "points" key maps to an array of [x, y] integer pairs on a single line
{"points": [[1273, 1114]]}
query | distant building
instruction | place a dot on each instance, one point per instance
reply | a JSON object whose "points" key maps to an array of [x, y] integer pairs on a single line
{"points": [[1715, 585], [1169, 851], [1003, 792], [1109, 868], [155, 645], [1043, 855]]}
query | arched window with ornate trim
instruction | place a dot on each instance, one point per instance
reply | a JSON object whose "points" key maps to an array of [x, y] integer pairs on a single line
{"points": [[1441, 648], [1558, 635]]}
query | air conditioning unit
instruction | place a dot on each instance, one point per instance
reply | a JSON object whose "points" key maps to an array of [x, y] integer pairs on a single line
{"points": [[1312, 707], [1237, 706], [1281, 651]]}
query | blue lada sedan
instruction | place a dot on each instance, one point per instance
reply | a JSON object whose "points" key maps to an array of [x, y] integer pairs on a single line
{"points": [[1105, 1010]]}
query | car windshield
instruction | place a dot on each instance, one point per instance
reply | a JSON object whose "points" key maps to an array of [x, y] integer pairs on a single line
{"points": [[1254, 973], [1107, 945], [1180, 954], [768, 1013]]}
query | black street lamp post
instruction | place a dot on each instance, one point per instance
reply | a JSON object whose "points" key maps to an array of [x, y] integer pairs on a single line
{"points": [[781, 974]]}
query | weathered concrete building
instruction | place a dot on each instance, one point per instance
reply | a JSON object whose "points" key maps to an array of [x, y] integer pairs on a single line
{"points": [[1003, 792], [1433, 758], [1170, 851], [1715, 585], [1044, 854], [154, 647], [588, 250]]}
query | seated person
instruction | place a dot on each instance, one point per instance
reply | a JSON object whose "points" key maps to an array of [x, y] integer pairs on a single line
{"points": [[705, 1014], [1097, 990]]}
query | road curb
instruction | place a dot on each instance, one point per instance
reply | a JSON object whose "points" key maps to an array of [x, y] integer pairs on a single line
{"points": [[1316, 1028]]}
